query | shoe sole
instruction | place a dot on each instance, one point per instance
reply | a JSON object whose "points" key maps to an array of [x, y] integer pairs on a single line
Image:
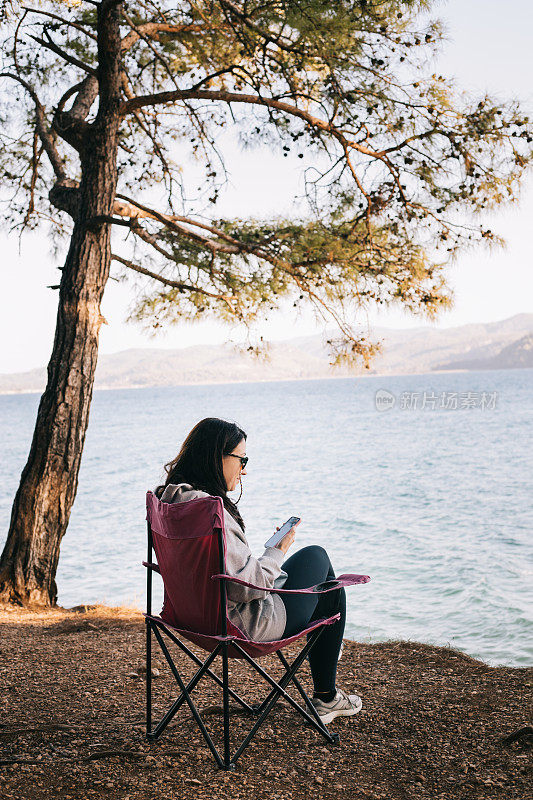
{"points": [[341, 712]]}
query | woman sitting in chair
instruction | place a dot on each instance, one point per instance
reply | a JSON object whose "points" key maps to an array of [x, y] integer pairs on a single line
{"points": [[211, 461]]}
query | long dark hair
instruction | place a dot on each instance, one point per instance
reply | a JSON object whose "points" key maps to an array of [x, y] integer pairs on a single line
{"points": [[199, 461]]}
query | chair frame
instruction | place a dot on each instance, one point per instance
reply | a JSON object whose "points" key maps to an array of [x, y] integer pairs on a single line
{"points": [[156, 627]]}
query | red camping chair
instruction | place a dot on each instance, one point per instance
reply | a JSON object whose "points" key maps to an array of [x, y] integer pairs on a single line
{"points": [[190, 543]]}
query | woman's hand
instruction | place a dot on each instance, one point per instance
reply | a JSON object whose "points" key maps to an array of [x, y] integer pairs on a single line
{"points": [[287, 540]]}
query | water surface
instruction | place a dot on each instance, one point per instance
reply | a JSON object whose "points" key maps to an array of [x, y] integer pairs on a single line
{"points": [[433, 503]]}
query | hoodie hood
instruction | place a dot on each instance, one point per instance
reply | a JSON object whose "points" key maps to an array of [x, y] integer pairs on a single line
{"points": [[180, 493]]}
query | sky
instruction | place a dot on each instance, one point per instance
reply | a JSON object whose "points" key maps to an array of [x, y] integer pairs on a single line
{"points": [[487, 50]]}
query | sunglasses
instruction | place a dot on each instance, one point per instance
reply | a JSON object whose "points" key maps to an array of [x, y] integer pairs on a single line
{"points": [[244, 459]]}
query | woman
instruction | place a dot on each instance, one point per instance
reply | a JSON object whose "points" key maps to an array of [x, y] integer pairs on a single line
{"points": [[212, 461]]}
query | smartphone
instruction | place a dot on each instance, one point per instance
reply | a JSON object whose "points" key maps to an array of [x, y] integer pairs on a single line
{"points": [[285, 528]]}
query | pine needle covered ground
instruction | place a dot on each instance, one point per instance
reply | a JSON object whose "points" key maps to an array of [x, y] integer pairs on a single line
{"points": [[435, 722]]}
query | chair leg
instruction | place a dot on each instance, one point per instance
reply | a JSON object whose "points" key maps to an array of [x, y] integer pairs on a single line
{"points": [[185, 690], [209, 672], [148, 678], [310, 644], [228, 764], [279, 689], [310, 706]]}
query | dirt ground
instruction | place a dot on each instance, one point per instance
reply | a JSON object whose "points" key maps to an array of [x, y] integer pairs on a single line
{"points": [[435, 723]]}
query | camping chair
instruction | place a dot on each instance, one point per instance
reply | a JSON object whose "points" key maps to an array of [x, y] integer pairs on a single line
{"points": [[189, 542]]}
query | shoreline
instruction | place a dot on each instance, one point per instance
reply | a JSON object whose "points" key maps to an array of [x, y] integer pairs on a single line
{"points": [[28, 615], [383, 375]]}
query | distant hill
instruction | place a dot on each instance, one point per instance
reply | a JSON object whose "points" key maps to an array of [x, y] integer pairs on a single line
{"points": [[516, 355], [495, 345]]}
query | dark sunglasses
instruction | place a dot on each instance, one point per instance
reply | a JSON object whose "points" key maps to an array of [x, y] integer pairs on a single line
{"points": [[244, 459]]}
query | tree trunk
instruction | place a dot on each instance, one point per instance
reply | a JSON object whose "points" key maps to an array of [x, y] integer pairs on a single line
{"points": [[47, 489]]}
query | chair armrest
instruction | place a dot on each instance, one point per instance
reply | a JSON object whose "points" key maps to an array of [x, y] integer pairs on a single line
{"points": [[319, 588], [153, 567]]}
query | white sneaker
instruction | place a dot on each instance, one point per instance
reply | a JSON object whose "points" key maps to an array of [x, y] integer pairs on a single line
{"points": [[342, 705]]}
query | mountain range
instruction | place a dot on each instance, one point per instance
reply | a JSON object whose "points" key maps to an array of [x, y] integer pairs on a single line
{"points": [[505, 344]]}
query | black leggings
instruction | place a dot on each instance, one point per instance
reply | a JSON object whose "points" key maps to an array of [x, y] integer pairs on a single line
{"points": [[307, 567]]}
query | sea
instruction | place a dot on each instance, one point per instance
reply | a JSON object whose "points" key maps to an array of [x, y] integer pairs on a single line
{"points": [[424, 482]]}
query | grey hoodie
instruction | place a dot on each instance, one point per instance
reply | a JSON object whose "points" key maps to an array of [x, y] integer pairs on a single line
{"points": [[259, 614]]}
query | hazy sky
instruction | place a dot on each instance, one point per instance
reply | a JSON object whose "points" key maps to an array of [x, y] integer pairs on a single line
{"points": [[489, 49]]}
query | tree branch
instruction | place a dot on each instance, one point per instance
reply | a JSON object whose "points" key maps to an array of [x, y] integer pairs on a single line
{"points": [[71, 125], [44, 133], [183, 287], [234, 246], [414, 137], [85, 98], [65, 196], [153, 29], [36, 154], [68, 22], [172, 223], [266, 35], [66, 96], [233, 97], [50, 45]]}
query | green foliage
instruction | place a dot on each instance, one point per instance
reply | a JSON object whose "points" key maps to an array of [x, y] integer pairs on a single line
{"points": [[398, 164]]}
